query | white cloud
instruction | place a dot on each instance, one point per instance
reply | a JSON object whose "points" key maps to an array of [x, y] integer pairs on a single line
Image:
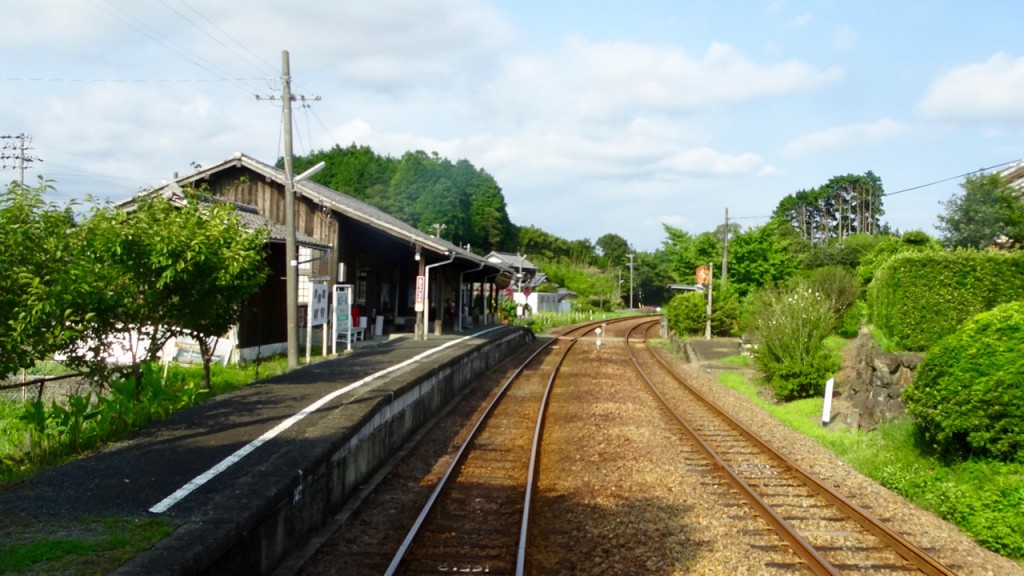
{"points": [[601, 80], [845, 39], [982, 92], [381, 44], [705, 161], [846, 137]]}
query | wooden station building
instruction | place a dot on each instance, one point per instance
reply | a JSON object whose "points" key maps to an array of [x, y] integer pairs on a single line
{"points": [[343, 240]]}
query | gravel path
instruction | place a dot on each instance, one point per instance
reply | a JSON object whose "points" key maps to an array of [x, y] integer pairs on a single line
{"points": [[941, 539]]}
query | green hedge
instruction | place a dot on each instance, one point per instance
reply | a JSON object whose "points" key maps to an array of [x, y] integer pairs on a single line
{"points": [[916, 299], [968, 394]]}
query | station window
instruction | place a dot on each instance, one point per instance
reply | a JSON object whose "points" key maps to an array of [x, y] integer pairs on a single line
{"points": [[305, 270]]}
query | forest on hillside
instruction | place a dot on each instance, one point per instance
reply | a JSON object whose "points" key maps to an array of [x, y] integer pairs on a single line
{"points": [[454, 200]]}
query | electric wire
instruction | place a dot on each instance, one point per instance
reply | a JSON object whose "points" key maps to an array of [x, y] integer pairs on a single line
{"points": [[155, 35], [964, 175], [259, 64]]}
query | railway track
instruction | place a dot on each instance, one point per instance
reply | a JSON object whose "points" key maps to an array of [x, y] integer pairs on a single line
{"points": [[610, 484], [477, 518], [830, 534]]}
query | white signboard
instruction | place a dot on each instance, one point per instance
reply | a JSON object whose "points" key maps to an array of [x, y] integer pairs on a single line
{"points": [[342, 315], [319, 305]]}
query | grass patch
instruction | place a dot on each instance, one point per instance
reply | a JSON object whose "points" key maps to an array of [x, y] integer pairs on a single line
{"points": [[741, 360], [96, 547], [984, 498]]}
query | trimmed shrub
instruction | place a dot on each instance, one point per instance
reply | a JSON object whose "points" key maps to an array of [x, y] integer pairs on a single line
{"points": [[789, 325], [888, 246], [968, 393], [687, 312], [916, 299]]}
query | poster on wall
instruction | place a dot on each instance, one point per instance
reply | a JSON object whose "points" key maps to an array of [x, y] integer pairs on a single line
{"points": [[342, 316]]}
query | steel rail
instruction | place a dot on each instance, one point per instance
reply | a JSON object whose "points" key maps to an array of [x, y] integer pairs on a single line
{"points": [[464, 448], [814, 561], [903, 547]]}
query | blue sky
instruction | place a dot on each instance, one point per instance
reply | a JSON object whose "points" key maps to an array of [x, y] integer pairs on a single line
{"points": [[594, 117]]}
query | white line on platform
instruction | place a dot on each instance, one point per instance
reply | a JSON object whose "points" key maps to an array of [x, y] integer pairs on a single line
{"points": [[242, 452]]}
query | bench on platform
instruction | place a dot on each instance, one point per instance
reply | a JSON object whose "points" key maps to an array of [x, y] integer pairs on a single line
{"points": [[357, 332]]}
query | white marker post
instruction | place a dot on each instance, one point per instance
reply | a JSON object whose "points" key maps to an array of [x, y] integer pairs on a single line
{"points": [[826, 411]]}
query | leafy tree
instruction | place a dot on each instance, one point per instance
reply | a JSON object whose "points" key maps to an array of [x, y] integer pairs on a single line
{"points": [[987, 209], [844, 205], [219, 266], [760, 256], [167, 269], [43, 280], [848, 251], [686, 252], [615, 251], [652, 275], [594, 288]]}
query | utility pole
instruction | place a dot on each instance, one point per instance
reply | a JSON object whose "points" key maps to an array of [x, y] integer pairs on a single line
{"points": [[725, 251], [711, 283], [16, 148], [291, 252], [289, 215], [631, 256]]}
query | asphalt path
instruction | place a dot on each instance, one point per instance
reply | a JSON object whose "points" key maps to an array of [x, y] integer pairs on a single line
{"points": [[132, 477]]}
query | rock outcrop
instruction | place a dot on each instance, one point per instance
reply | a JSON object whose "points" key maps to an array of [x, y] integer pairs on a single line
{"points": [[873, 382]]}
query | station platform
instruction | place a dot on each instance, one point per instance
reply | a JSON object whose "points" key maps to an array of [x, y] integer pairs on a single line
{"points": [[244, 475]]}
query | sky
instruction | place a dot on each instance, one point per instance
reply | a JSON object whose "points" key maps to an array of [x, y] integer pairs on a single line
{"points": [[594, 117]]}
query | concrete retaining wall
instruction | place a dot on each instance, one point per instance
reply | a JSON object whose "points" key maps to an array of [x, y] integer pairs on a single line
{"points": [[288, 498]]}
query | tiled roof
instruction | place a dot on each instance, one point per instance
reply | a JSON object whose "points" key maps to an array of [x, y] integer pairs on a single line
{"points": [[344, 204]]}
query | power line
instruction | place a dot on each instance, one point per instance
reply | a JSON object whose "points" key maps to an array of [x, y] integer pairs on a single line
{"points": [[137, 80], [964, 175], [262, 69], [160, 38]]}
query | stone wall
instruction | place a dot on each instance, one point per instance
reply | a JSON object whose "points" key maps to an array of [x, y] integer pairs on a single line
{"points": [[872, 383]]}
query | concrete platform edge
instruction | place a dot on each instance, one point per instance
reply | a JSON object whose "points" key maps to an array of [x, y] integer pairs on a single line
{"points": [[285, 506]]}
